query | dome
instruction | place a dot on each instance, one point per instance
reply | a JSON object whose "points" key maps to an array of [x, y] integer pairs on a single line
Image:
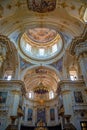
{"points": [[40, 44]]}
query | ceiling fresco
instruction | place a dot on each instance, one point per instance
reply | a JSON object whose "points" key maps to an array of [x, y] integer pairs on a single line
{"points": [[41, 6], [41, 35], [41, 80], [42, 30]]}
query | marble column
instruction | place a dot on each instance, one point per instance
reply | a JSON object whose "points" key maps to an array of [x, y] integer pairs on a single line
{"points": [[81, 53]]}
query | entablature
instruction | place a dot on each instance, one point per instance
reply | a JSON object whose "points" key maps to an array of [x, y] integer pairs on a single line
{"points": [[75, 83], [14, 84]]}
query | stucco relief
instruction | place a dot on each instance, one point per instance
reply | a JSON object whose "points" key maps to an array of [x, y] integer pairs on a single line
{"points": [[41, 6], [2, 53]]}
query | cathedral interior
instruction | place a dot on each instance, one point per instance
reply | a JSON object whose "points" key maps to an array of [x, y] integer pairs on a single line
{"points": [[43, 64]]}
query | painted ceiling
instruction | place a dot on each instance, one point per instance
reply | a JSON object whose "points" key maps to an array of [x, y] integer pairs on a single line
{"points": [[65, 19]]}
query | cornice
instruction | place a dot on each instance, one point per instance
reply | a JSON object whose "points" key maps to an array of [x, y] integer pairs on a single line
{"points": [[19, 83], [78, 40], [78, 82], [11, 82]]}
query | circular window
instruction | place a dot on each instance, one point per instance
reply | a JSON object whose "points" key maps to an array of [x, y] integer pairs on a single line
{"points": [[40, 44]]}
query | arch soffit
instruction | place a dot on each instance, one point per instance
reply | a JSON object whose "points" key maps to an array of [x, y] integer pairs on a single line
{"points": [[36, 66]]}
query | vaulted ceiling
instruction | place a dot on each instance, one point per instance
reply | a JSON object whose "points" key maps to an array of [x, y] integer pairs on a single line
{"points": [[66, 19]]}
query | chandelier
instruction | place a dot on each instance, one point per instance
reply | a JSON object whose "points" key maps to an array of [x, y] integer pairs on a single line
{"points": [[41, 6], [41, 89]]}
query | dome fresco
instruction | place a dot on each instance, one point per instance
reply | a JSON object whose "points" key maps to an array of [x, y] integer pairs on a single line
{"points": [[41, 35], [40, 43]]}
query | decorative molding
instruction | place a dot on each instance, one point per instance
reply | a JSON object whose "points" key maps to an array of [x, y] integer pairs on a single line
{"points": [[64, 92], [69, 82], [80, 107], [19, 83], [11, 59], [6, 41], [16, 92], [78, 40], [81, 48]]}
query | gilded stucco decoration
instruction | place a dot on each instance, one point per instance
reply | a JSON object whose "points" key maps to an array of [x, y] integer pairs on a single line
{"points": [[8, 55], [41, 6], [78, 40]]}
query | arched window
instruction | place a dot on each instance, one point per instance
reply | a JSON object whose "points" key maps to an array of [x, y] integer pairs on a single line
{"points": [[51, 95], [8, 74], [73, 74], [28, 47], [41, 52], [31, 94], [54, 48]]}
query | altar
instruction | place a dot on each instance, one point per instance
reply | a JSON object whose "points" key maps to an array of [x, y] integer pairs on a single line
{"points": [[41, 126]]}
